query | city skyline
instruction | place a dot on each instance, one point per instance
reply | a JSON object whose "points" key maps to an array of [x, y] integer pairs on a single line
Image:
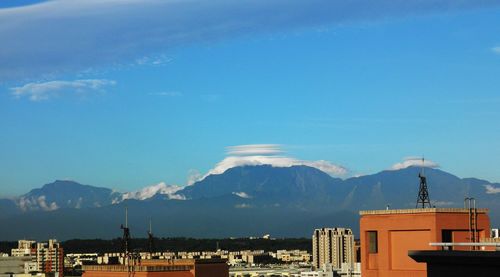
{"points": [[131, 95]]}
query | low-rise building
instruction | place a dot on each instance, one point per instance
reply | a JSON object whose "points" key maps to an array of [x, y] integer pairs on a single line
{"points": [[17, 265], [161, 268]]}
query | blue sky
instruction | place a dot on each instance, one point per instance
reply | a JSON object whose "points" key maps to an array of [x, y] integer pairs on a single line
{"points": [[128, 94]]}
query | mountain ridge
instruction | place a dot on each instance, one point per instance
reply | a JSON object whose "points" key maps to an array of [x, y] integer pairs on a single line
{"points": [[249, 200]]}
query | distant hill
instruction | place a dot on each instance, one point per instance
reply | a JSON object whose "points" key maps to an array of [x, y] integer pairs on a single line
{"points": [[243, 201], [296, 186], [66, 194]]}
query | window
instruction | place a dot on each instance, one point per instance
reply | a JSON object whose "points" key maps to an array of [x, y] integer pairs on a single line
{"points": [[372, 242], [447, 236]]}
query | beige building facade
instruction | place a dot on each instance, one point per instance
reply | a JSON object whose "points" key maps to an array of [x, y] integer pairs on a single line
{"points": [[333, 246]]}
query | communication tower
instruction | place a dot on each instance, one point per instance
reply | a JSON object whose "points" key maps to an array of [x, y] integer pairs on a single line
{"points": [[423, 199]]}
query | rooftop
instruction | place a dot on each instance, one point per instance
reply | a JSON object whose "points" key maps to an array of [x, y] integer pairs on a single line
{"points": [[418, 211], [137, 268]]}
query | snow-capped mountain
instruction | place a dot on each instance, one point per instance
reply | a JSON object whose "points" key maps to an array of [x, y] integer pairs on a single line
{"points": [[66, 194], [148, 192], [241, 201], [70, 194]]}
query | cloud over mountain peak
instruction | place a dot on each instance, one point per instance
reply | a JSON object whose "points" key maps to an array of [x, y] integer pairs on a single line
{"points": [[270, 154]]}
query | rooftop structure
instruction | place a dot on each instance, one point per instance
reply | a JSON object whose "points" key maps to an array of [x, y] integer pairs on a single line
{"points": [[387, 236], [458, 263], [161, 268]]}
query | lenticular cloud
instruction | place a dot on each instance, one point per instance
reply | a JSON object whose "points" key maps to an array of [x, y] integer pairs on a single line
{"points": [[270, 154]]}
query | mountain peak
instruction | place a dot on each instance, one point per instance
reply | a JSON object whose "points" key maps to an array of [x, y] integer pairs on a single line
{"points": [[264, 181], [150, 191]]}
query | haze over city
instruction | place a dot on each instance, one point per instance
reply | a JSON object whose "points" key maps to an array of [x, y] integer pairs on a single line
{"points": [[129, 94]]}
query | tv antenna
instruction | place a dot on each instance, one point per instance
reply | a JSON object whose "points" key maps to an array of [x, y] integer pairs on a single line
{"points": [[423, 193], [151, 238], [126, 234]]}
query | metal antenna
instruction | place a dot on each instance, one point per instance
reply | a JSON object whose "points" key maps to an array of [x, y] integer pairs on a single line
{"points": [[126, 234], [151, 237], [423, 193]]}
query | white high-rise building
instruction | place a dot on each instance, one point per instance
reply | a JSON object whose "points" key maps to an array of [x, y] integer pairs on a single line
{"points": [[333, 246]]}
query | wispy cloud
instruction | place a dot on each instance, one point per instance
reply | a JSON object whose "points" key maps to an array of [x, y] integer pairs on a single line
{"points": [[496, 50], [167, 93], [243, 206], [270, 154], [242, 194], [155, 60], [44, 38], [492, 189], [439, 203], [46, 90], [414, 161]]}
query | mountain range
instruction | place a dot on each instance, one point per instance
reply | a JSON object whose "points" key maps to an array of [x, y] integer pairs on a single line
{"points": [[242, 201]]}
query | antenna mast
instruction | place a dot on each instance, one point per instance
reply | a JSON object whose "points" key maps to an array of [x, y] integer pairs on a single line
{"points": [[423, 193], [126, 234], [151, 238]]}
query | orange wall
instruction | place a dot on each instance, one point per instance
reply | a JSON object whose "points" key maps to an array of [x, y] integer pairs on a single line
{"points": [[212, 270], [397, 233]]}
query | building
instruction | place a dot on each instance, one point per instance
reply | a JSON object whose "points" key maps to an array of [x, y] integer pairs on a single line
{"points": [[333, 246], [16, 265], [325, 271], [495, 233], [24, 248], [388, 235], [48, 257], [292, 256], [458, 263], [161, 268]]}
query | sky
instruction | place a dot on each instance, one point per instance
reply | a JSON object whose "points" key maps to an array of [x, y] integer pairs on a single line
{"points": [[128, 93]]}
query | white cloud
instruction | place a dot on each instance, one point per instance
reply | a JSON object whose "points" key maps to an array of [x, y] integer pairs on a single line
{"points": [[34, 204], [414, 161], [242, 194], [167, 93], [45, 90], [496, 50], [254, 149], [276, 161], [247, 155], [492, 189], [442, 203], [60, 36], [154, 60], [193, 176], [243, 206], [148, 192]]}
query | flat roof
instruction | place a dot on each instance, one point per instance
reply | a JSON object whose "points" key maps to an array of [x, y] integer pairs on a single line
{"points": [[419, 211], [477, 258], [137, 268]]}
